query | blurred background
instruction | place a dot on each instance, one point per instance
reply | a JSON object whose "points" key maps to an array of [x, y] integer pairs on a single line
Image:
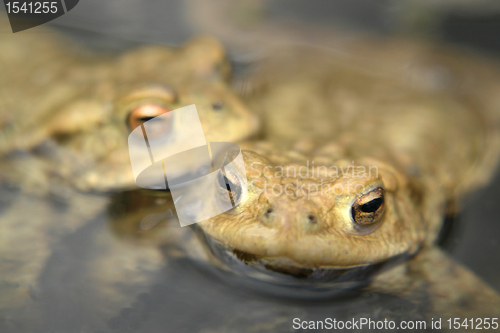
{"points": [[246, 27], [118, 24]]}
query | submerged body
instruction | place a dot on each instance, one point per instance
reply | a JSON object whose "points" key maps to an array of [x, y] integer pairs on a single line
{"points": [[347, 189], [356, 176]]}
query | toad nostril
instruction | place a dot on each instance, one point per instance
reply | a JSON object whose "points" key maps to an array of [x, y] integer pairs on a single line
{"points": [[268, 218], [218, 106], [310, 224]]}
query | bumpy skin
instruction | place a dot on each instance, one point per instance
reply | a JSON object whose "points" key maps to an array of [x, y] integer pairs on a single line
{"points": [[432, 144], [63, 121], [430, 148], [303, 226], [308, 219], [72, 107]]}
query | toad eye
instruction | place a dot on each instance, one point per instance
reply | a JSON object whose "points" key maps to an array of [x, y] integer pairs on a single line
{"points": [[229, 185], [144, 113], [369, 208]]}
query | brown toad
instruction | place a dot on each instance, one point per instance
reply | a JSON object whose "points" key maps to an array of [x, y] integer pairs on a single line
{"points": [[75, 109], [65, 115], [337, 223]]}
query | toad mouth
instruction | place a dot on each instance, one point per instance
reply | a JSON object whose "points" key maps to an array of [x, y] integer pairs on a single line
{"points": [[285, 271]]}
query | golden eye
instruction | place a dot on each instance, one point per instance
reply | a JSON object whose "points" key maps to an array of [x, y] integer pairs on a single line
{"points": [[231, 185], [146, 112], [369, 208]]}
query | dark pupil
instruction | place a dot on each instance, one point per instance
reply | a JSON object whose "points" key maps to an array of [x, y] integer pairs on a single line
{"points": [[371, 206], [224, 182], [227, 184], [144, 119]]}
